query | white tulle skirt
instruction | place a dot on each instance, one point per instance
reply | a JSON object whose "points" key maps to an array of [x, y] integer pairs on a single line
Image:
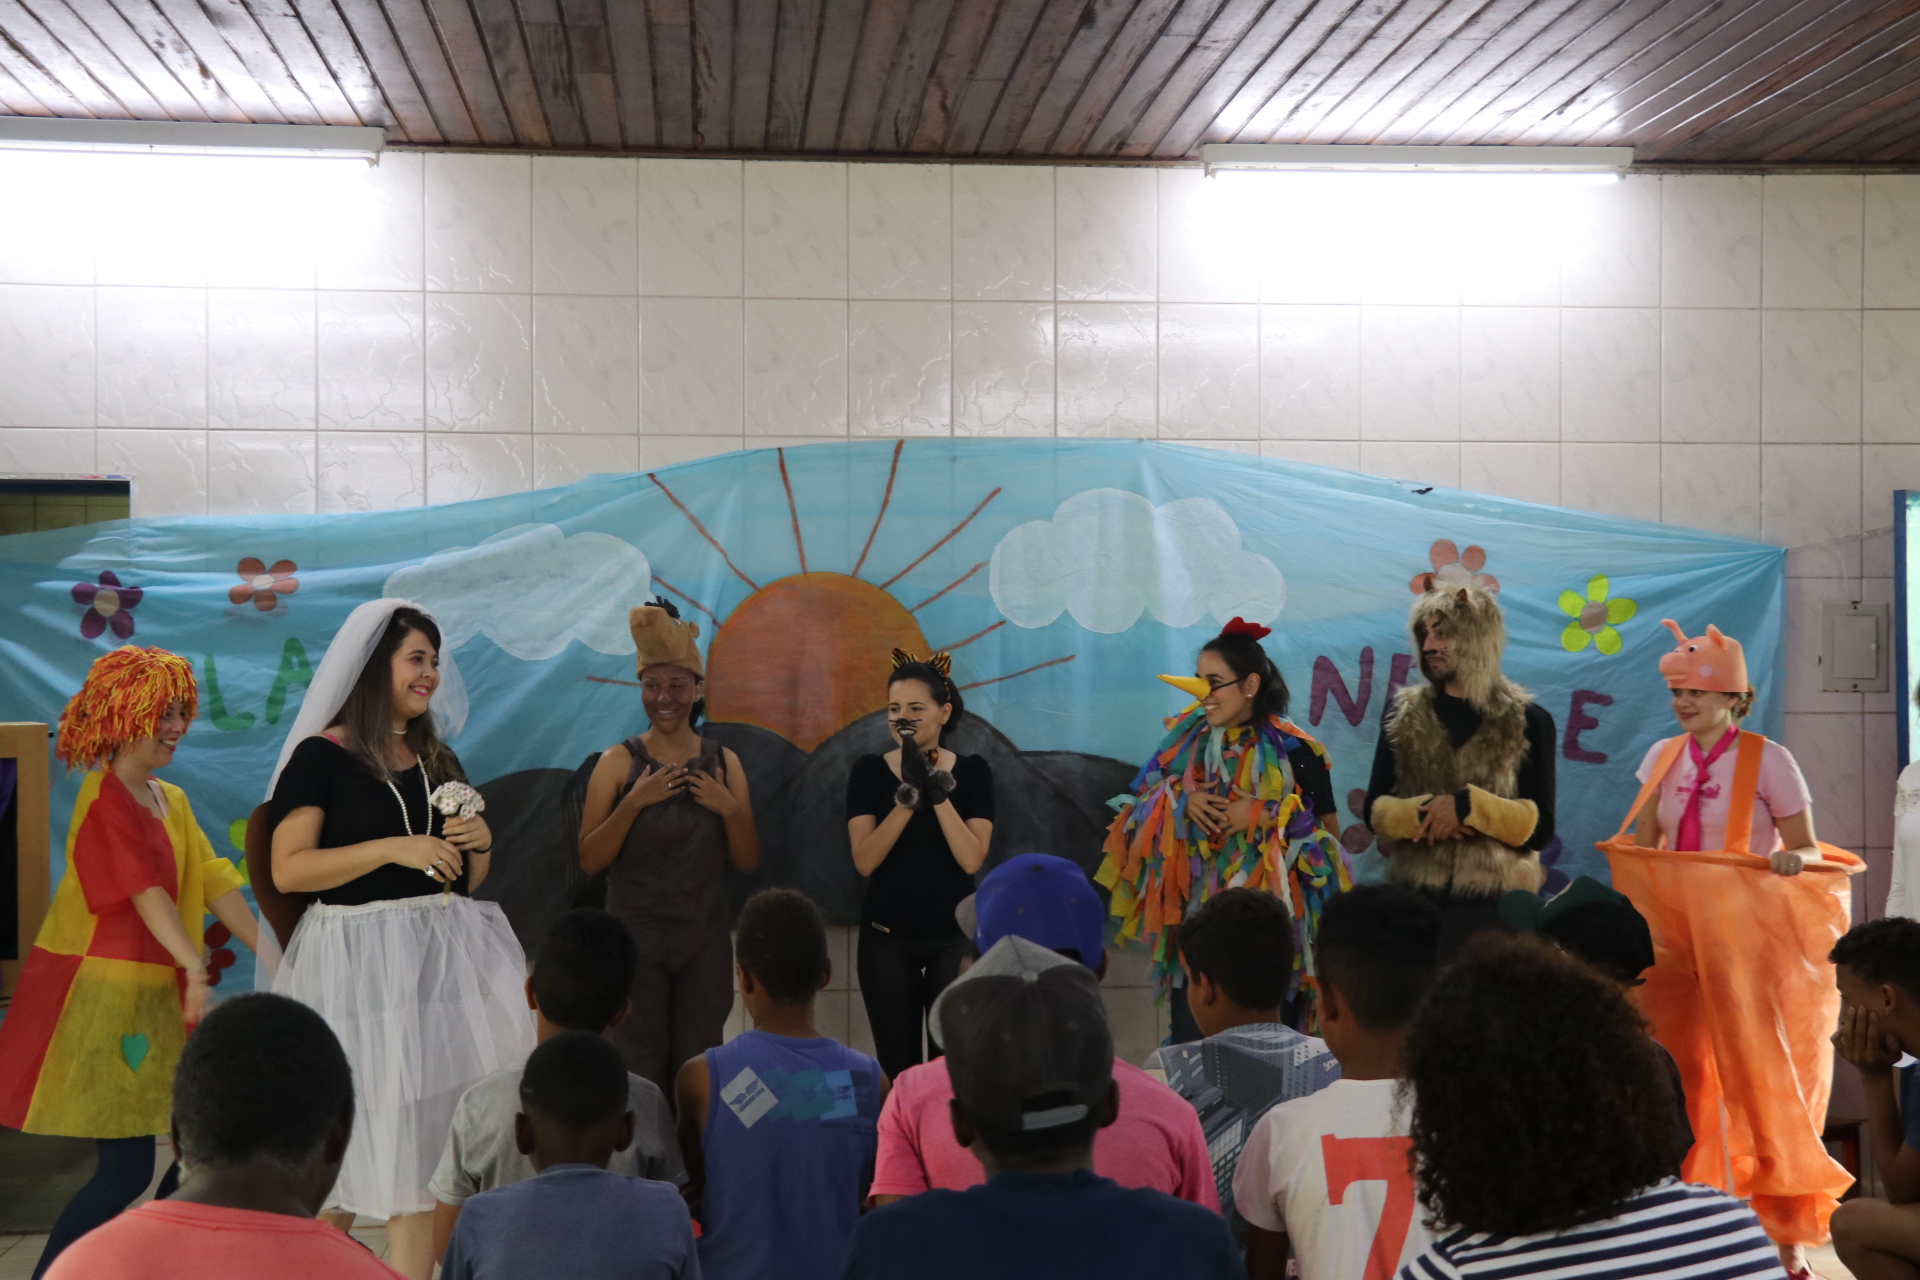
{"points": [[426, 995]]}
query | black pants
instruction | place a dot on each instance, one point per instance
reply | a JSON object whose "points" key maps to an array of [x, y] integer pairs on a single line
{"points": [[120, 1174], [900, 975]]}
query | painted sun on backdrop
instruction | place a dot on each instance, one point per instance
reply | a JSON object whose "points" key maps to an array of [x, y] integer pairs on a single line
{"points": [[807, 654]]}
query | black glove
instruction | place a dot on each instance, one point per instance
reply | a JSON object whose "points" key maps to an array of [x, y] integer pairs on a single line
{"points": [[921, 787]]}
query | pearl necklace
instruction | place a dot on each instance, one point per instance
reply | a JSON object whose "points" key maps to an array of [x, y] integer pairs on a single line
{"points": [[406, 819]]}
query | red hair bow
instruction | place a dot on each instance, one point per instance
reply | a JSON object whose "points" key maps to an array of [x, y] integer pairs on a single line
{"points": [[1241, 627]]}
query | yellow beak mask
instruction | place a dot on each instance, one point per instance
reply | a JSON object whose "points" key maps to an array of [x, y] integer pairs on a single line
{"points": [[1194, 685]]}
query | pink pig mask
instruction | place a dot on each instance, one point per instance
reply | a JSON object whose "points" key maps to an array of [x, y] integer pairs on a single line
{"points": [[1713, 662]]}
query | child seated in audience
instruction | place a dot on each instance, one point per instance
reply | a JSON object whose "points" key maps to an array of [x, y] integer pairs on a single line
{"points": [[574, 1217], [1879, 977], [1327, 1175], [777, 1125], [1543, 1131], [579, 983], [262, 1112], [1157, 1141], [1031, 1060], [1237, 953], [1597, 923]]}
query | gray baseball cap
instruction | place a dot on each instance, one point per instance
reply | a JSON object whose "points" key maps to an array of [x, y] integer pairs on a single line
{"points": [[1026, 1038]]}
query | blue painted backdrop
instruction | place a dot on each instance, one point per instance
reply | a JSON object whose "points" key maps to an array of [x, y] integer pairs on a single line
{"points": [[1072, 571]]}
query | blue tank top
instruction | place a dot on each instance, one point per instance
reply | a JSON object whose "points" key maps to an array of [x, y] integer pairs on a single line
{"points": [[792, 1126]]}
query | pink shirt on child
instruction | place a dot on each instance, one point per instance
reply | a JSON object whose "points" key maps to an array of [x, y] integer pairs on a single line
{"points": [[163, 1239], [1157, 1142], [1781, 793]]}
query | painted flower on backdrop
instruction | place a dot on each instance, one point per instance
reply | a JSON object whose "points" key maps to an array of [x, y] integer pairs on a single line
{"points": [[220, 957], [1594, 617], [1454, 567], [263, 585], [106, 605]]}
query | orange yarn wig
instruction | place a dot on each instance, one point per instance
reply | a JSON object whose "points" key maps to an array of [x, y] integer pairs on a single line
{"points": [[125, 694]]}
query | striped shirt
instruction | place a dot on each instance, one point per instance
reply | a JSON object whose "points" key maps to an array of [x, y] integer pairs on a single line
{"points": [[1671, 1231]]}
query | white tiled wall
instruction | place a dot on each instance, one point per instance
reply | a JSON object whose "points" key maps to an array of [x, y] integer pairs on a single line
{"points": [[1732, 352]]}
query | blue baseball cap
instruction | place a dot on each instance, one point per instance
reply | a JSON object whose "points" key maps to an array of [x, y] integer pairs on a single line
{"points": [[1046, 900]]}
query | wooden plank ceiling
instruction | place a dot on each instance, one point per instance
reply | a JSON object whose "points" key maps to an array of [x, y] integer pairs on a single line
{"points": [[1699, 81]]}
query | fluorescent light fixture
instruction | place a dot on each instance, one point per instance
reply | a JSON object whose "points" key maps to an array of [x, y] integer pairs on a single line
{"points": [[170, 137], [1347, 158]]}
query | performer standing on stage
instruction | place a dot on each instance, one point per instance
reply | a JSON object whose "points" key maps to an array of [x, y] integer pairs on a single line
{"points": [[116, 978], [1463, 772], [1238, 788], [920, 819], [1741, 991], [667, 812], [422, 984]]}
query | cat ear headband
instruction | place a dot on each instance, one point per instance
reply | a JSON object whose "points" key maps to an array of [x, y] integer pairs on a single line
{"points": [[941, 662]]}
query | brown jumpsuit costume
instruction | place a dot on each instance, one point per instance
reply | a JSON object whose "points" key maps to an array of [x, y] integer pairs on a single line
{"points": [[669, 887]]}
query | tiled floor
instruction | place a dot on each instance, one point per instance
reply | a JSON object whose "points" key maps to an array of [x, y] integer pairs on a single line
{"points": [[374, 1237], [1826, 1265], [19, 1254]]}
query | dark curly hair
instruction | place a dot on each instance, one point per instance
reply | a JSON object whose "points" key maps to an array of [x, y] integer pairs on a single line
{"points": [[945, 692], [1243, 940], [1245, 657], [584, 970], [1539, 1100], [261, 1076], [1884, 952], [782, 942]]}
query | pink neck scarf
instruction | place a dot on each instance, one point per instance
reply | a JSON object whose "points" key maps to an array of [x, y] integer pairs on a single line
{"points": [[1689, 837]]}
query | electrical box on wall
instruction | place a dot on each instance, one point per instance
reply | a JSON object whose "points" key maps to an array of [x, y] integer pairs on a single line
{"points": [[1856, 651]]}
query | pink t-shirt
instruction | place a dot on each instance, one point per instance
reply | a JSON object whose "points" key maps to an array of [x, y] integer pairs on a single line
{"points": [[1781, 793], [165, 1239], [1157, 1142]]}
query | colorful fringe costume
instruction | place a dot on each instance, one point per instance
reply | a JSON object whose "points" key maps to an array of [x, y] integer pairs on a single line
{"points": [[1159, 861]]}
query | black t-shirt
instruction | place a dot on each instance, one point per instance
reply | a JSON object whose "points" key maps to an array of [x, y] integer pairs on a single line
{"points": [[360, 807], [916, 889]]}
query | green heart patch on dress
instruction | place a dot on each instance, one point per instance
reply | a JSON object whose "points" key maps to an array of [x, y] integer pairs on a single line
{"points": [[134, 1049]]}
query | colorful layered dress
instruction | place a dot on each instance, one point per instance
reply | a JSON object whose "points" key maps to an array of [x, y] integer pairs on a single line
{"points": [[1159, 861], [89, 1046]]}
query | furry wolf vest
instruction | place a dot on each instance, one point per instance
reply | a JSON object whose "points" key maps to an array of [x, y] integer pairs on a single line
{"points": [[1426, 763]]}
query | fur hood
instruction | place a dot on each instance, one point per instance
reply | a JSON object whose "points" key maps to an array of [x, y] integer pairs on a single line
{"points": [[1472, 618]]}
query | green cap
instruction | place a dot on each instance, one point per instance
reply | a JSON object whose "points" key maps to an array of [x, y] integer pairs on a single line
{"points": [[1531, 913], [1593, 921]]}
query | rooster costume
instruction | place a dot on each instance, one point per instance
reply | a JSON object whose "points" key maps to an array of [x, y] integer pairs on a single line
{"points": [[1160, 863]]}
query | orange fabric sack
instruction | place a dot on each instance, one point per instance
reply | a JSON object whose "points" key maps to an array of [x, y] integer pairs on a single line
{"points": [[1743, 996]]}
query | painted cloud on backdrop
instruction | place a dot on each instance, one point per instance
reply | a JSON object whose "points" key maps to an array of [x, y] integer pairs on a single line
{"points": [[532, 588], [1108, 556]]}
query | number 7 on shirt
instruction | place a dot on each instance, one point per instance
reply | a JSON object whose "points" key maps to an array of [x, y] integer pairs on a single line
{"points": [[1351, 1160]]}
